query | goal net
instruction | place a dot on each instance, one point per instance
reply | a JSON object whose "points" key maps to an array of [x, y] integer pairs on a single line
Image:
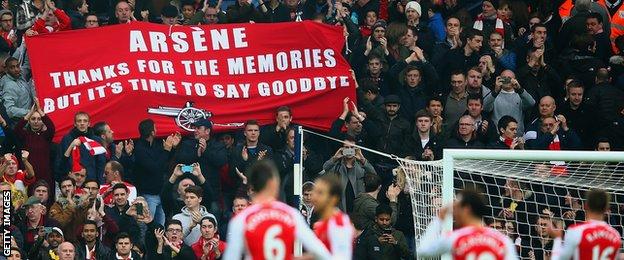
{"points": [[525, 190]]}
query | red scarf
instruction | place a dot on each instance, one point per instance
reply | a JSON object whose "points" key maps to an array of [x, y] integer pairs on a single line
{"points": [[500, 25], [555, 145]]}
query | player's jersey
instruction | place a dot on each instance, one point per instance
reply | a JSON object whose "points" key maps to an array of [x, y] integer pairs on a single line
{"points": [[337, 234], [466, 243], [268, 231], [589, 240]]}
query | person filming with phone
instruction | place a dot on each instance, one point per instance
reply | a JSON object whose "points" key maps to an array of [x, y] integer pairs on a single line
{"points": [[351, 166], [382, 241]]}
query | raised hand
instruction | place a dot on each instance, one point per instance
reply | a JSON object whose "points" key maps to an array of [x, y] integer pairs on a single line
{"points": [[160, 234], [119, 147], [241, 175], [25, 155], [129, 146], [393, 192], [262, 154], [245, 153]]}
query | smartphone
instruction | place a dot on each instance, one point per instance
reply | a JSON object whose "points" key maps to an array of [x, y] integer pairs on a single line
{"points": [[139, 208], [387, 231], [47, 230], [348, 151], [506, 80], [187, 168]]}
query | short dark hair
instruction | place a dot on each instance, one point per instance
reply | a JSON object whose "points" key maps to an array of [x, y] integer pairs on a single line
{"points": [[371, 182], [598, 200], [283, 109], [98, 128], [438, 99], [373, 56], [470, 33], [39, 183], [91, 180], [251, 122], [474, 200], [411, 68], [260, 173], [75, 4], [211, 219], [474, 68], [9, 59], [603, 140], [90, 222], [368, 85], [146, 127], [504, 121], [474, 97], [120, 186], [187, 2], [122, 235], [458, 72], [535, 26], [117, 167], [67, 178], [334, 184], [173, 222], [583, 42], [596, 16], [575, 83], [423, 113], [383, 208], [198, 191]]}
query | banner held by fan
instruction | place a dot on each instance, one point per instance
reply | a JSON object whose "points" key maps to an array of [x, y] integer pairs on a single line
{"points": [[176, 75]]}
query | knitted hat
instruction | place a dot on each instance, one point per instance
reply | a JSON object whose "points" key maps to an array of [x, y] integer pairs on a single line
{"points": [[493, 2], [379, 23], [414, 5]]}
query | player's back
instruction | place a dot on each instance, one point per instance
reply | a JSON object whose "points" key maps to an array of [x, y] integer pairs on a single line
{"points": [[596, 240], [269, 230], [473, 243], [337, 234]]}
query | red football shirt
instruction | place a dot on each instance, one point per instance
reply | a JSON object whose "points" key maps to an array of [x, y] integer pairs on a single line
{"points": [[589, 240]]}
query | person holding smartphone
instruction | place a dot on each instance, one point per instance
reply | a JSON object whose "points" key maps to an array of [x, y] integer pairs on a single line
{"points": [[351, 166], [382, 241]]}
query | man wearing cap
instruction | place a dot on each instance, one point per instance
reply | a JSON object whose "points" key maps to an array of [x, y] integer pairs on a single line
{"points": [[169, 15], [395, 128], [47, 243], [208, 152], [35, 219]]}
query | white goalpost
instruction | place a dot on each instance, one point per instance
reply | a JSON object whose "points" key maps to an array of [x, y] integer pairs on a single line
{"points": [[525, 189]]}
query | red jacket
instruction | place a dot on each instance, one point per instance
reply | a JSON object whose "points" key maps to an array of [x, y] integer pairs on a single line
{"points": [[39, 145], [63, 24]]}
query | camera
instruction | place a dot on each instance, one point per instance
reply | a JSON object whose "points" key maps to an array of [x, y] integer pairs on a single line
{"points": [[139, 208], [186, 168], [506, 80], [348, 151]]}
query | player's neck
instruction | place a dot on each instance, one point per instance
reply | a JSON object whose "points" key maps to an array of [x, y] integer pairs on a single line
{"points": [[263, 197], [328, 213], [594, 216], [473, 222]]}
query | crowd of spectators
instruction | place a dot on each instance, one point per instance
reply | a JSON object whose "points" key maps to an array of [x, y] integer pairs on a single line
{"points": [[431, 74]]}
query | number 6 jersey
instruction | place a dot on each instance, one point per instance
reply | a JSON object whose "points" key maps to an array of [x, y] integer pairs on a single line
{"points": [[268, 231]]}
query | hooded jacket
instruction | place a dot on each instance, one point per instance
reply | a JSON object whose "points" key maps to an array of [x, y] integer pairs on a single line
{"points": [[191, 233]]}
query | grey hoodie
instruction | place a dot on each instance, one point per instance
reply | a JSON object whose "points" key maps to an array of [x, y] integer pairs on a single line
{"points": [[191, 234]]}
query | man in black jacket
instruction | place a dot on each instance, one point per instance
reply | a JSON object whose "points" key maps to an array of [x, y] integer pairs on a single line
{"points": [[466, 137], [423, 144], [117, 212], [394, 128], [580, 116], [274, 135], [364, 131], [152, 157], [608, 101], [91, 243], [250, 151]]}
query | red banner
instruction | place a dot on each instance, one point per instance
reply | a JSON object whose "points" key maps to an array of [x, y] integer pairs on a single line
{"points": [[229, 73]]}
